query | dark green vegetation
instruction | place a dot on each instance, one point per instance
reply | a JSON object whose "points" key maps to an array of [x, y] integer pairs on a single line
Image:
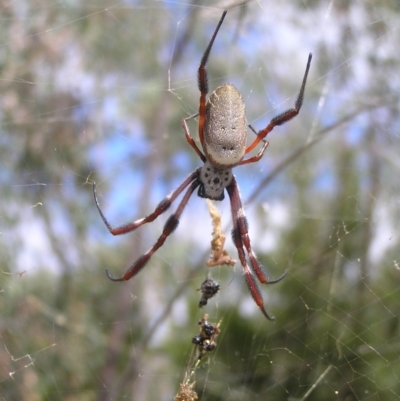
{"points": [[95, 91]]}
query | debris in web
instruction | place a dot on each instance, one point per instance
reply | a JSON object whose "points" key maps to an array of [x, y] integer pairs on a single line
{"points": [[219, 256], [209, 288], [204, 342], [186, 392]]}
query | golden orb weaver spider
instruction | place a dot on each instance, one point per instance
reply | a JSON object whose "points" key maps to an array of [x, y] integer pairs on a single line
{"points": [[222, 130]]}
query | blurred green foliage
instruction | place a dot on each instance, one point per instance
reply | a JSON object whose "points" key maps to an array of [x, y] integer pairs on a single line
{"points": [[81, 81]]}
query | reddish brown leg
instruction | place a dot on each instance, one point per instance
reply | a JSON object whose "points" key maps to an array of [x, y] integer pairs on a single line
{"points": [[258, 156], [202, 80], [189, 138], [169, 228], [241, 239], [285, 116], [161, 208]]}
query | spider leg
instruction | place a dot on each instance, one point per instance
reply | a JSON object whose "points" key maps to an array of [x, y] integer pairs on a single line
{"points": [[243, 231], [203, 82], [258, 156], [161, 208], [189, 138], [284, 117], [169, 227], [241, 240]]}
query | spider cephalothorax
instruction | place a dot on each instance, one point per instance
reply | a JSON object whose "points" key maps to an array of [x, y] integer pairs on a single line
{"points": [[222, 133], [213, 181]]}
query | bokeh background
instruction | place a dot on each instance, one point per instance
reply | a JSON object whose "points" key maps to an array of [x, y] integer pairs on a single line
{"points": [[94, 91]]}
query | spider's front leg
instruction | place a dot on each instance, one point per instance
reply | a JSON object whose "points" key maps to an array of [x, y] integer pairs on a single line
{"points": [[161, 208], [193, 182], [241, 240], [169, 227]]}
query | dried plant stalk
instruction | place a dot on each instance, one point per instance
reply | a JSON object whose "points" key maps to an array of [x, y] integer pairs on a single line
{"points": [[219, 256]]}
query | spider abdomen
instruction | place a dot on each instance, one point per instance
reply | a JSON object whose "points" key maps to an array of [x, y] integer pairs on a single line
{"points": [[225, 128]]}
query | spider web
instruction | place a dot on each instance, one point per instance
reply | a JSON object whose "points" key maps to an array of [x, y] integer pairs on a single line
{"points": [[95, 90]]}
